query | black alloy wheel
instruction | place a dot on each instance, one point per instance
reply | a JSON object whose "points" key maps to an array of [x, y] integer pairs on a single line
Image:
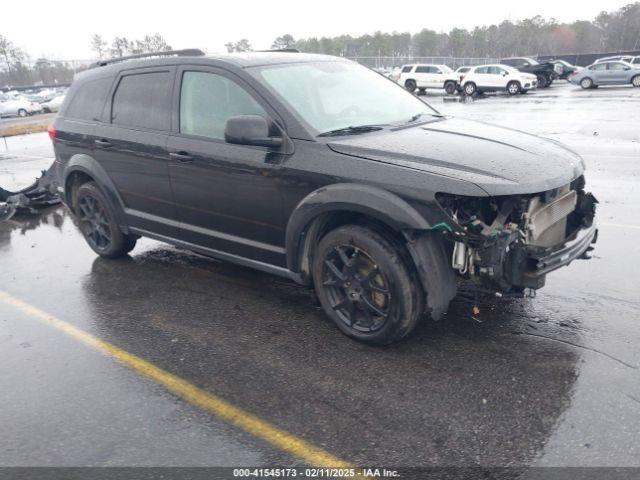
{"points": [[366, 284], [94, 223], [357, 289], [98, 225]]}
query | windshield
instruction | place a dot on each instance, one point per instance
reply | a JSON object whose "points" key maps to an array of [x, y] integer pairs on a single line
{"points": [[531, 61], [334, 95]]}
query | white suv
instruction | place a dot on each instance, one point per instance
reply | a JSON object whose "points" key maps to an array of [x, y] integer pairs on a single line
{"points": [[492, 78], [423, 76]]}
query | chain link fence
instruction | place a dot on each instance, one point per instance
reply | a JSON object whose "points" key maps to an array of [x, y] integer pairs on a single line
{"points": [[394, 62]]}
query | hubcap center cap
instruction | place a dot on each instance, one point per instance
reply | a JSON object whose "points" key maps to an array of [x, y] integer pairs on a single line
{"points": [[354, 288]]}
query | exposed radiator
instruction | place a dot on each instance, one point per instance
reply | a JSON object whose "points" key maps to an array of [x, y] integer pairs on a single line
{"points": [[546, 224]]}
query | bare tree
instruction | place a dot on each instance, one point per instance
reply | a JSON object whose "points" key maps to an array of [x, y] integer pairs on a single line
{"points": [[120, 46], [242, 45], [98, 45]]}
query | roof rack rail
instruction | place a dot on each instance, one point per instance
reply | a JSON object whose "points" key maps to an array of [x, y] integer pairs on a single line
{"points": [[188, 52], [283, 50]]}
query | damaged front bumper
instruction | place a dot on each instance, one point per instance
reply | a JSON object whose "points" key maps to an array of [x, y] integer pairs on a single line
{"points": [[510, 243], [528, 265], [42, 193]]}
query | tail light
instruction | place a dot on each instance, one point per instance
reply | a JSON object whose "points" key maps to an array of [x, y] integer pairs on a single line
{"points": [[52, 132]]}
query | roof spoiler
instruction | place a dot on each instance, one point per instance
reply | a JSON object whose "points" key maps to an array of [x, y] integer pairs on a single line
{"points": [[189, 52]]}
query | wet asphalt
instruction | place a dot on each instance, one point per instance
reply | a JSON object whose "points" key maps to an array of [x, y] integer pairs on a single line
{"points": [[552, 380]]}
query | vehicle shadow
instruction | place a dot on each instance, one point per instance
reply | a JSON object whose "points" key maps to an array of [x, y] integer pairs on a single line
{"points": [[462, 391]]}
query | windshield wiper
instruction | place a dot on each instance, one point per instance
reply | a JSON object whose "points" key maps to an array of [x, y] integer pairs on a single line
{"points": [[351, 130], [419, 115]]}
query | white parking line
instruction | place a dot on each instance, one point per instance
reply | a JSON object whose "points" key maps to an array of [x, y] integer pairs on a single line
{"points": [[619, 225], [12, 156]]}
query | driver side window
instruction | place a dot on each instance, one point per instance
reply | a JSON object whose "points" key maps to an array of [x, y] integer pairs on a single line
{"points": [[207, 100]]}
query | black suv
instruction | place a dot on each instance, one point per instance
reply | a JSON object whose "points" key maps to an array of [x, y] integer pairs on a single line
{"points": [[544, 72], [319, 170]]}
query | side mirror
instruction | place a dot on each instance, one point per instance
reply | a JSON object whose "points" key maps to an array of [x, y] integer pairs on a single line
{"points": [[504, 74], [250, 130], [526, 64]]}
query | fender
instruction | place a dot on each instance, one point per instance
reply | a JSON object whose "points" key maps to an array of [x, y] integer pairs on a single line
{"points": [[374, 202], [86, 164]]}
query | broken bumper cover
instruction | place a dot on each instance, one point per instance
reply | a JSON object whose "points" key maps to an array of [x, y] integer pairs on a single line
{"points": [[42, 193], [533, 263]]}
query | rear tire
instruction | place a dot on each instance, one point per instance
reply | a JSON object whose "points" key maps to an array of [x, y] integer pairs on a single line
{"points": [[410, 85], [22, 112], [422, 91], [635, 81], [543, 81], [366, 286], [450, 88], [586, 83], [97, 223]]}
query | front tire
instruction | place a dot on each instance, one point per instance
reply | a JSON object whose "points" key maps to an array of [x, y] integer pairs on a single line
{"points": [[410, 85], [635, 81], [513, 88], [97, 223], [366, 286], [586, 83]]}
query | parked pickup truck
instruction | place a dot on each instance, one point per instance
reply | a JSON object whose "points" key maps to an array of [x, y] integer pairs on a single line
{"points": [[545, 72], [428, 76]]}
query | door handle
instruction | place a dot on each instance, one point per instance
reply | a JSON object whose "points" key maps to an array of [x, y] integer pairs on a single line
{"points": [[182, 157], [102, 143]]}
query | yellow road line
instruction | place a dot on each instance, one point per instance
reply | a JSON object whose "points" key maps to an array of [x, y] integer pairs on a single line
{"points": [[246, 421]]}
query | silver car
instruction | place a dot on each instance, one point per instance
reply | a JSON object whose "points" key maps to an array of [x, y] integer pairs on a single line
{"points": [[621, 58], [607, 73]]}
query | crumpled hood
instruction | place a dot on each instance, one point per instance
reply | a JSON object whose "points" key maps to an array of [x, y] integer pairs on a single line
{"points": [[501, 161]]}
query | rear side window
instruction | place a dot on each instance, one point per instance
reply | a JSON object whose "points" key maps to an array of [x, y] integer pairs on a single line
{"points": [[423, 69], [482, 70], [406, 69], [598, 66], [143, 100], [88, 101], [616, 66]]}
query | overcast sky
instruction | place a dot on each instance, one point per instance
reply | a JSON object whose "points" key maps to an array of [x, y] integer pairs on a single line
{"points": [[63, 29]]}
